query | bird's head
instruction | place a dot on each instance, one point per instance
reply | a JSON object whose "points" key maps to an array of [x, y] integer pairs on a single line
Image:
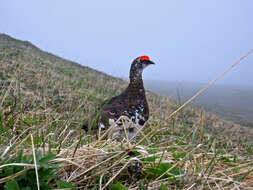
{"points": [[140, 63]]}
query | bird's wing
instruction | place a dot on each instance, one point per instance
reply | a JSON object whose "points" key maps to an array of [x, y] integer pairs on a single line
{"points": [[120, 106], [113, 108]]}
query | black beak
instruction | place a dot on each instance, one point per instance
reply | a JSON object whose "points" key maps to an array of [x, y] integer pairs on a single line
{"points": [[151, 62], [148, 62]]}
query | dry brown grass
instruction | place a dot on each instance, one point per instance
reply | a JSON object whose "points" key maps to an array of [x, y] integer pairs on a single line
{"points": [[48, 98]]}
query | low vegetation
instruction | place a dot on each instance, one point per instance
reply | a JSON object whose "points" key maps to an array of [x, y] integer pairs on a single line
{"points": [[45, 99]]}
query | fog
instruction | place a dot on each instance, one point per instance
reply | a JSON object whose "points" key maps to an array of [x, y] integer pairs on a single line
{"points": [[188, 40]]}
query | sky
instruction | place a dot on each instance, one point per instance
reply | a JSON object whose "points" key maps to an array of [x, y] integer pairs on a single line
{"points": [[188, 40]]}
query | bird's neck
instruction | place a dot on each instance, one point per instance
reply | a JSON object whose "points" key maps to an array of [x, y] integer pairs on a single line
{"points": [[136, 85], [136, 81]]}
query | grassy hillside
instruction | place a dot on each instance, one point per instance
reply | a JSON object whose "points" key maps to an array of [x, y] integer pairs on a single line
{"points": [[231, 102], [44, 100]]}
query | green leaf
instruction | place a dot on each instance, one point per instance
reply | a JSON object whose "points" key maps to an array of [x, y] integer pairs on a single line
{"points": [[163, 187], [9, 170], [172, 149], [176, 171], [149, 159], [224, 159], [235, 158], [155, 171], [29, 122], [117, 186], [19, 157], [49, 176], [164, 166], [179, 155], [46, 174], [44, 161], [26, 188], [152, 151], [11, 185], [47, 158], [141, 186], [38, 155], [63, 184]]}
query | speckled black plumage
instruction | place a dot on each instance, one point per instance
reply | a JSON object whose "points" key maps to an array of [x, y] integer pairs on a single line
{"points": [[131, 102]]}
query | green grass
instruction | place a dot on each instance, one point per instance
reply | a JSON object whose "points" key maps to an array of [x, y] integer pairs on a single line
{"points": [[49, 98]]}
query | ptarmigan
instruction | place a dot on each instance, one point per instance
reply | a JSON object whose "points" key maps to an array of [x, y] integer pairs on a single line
{"points": [[131, 103]]}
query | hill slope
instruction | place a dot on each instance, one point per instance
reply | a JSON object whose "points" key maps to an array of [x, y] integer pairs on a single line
{"points": [[48, 97]]}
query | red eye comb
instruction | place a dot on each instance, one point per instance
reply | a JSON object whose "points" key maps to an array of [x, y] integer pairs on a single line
{"points": [[144, 58]]}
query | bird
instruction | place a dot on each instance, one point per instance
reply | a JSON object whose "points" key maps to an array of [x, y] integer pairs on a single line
{"points": [[131, 103]]}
